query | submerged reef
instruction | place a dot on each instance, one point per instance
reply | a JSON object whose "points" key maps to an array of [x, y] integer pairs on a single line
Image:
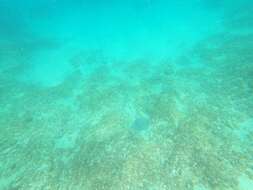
{"points": [[178, 124]]}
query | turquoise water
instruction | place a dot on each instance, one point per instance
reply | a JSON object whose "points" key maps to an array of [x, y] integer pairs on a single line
{"points": [[126, 95]]}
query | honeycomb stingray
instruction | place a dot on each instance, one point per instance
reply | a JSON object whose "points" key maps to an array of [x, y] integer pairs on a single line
{"points": [[141, 124]]}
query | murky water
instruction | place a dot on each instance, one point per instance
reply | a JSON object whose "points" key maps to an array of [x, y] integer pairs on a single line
{"points": [[126, 95]]}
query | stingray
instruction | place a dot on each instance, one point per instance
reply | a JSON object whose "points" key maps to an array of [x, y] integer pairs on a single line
{"points": [[141, 124]]}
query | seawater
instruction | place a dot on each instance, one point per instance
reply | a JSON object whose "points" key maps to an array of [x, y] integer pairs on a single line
{"points": [[126, 95]]}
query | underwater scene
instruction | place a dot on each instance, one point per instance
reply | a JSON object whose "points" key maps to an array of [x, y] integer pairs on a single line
{"points": [[126, 95]]}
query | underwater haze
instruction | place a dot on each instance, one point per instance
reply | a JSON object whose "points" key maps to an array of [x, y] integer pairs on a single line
{"points": [[126, 95]]}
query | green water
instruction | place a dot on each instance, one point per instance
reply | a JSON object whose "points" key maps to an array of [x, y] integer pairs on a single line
{"points": [[126, 95]]}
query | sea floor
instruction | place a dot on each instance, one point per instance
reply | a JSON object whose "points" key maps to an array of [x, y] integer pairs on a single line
{"points": [[170, 108]]}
